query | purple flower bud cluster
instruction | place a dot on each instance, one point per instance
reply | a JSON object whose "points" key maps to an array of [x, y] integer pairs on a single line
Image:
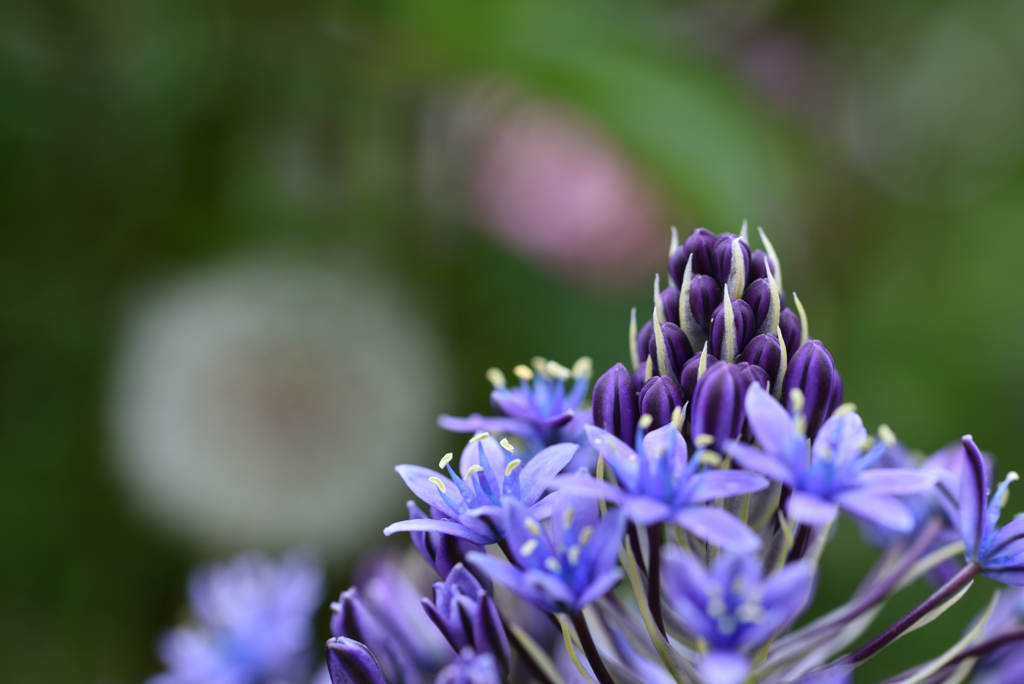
{"points": [[720, 465]]}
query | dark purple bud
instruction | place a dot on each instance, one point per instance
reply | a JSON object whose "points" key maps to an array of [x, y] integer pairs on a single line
{"points": [[759, 296], [766, 352], [350, 662], [688, 376], [837, 392], [699, 244], [790, 324], [705, 297], [640, 376], [812, 371], [743, 328], [352, 619], [677, 348], [670, 302], [722, 258], [717, 408], [615, 404], [659, 397], [757, 271], [643, 339], [754, 374]]}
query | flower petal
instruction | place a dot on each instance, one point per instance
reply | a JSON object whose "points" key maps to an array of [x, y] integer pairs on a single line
{"points": [[476, 422], [417, 478], [1007, 547], [495, 456], [810, 509], [725, 667], [617, 454], [449, 527], [600, 586], [881, 510], [505, 574], [585, 485], [645, 511], [760, 462], [897, 480], [973, 495], [658, 442], [719, 484], [840, 439], [537, 475], [769, 421], [789, 589], [718, 527]]}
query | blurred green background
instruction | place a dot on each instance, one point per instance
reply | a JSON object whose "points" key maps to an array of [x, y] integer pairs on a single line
{"points": [[878, 143]]}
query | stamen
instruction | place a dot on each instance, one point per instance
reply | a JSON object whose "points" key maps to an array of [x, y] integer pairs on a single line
{"points": [[850, 407], [496, 378], [552, 564], [528, 547], [573, 554], [567, 517], [729, 343], [583, 368], [715, 607], [711, 458], [523, 372], [885, 432], [532, 526], [703, 440], [804, 334], [438, 482], [645, 421], [538, 363], [770, 251], [634, 353], [475, 468], [677, 417], [1004, 488], [506, 445], [557, 370], [749, 613], [737, 280], [445, 460], [797, 400], [512, 465], [586, 533], [478, 436]]}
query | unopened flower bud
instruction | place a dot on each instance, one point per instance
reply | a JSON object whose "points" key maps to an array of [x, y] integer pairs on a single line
{"points": [[643, 341], [350, 662], [670, 304], [677, 348], [730, 263], [757, 271], [615, 404], [699, 243], [717, 408], [754, 374], [837, 392], [659, 397], [742, 329], [812, 371], [705, 297], [766, 352], [790, 324], [691, 370]]}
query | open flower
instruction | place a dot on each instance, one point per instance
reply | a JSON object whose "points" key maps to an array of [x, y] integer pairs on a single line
{"points": [[837, 473], [732, 607], [657, 484], [471, 500], [565, 569], [998, 550], [541, 411]]}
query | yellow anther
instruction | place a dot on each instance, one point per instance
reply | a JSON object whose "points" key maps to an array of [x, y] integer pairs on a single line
{"points": [[573, 554], [711, 458], [677, 417], [445, 460], [512, 465], [1012, 476], [528, 547], [645, 421], [715, 607], [496, 378], [438, 481], [506, 445], [567, 517], [552, 564], [586, 533], [523, 372], [538, 363], [703, 440], [885, 432], [797, 400], [749, 612], [850, 407], [475, 468], [557, 370], [532, 526], [583, 367], [478, 436]]}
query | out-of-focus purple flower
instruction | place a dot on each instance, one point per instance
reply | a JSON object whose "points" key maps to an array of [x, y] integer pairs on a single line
{"points": [[440, 551], [471, 500], [1003, 665], [998, 550], [657, 484], [253, 623], [471, 668], [541, 410], [350, 662], [659, 398], [615, 403], [716, 412], [812, 371], [565, 567], [733, 607], [838, 474], [467, 616]]}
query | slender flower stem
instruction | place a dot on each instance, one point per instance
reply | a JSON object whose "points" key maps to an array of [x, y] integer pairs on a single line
{"points": [[536, 670], [634, 544], [590, 649], [655, 538], [946, 591]]}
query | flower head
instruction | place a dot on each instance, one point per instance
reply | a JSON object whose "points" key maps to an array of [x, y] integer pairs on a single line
{"points": [[658, 484], [834, 474], [732, 607], [471, 500], [564, 567], [253, 623]]}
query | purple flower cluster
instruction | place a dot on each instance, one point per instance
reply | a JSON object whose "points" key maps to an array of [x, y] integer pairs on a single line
{"points": [[685, 550]]}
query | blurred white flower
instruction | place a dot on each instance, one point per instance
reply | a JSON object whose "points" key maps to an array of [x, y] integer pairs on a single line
{"points": [[266, 400]]}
